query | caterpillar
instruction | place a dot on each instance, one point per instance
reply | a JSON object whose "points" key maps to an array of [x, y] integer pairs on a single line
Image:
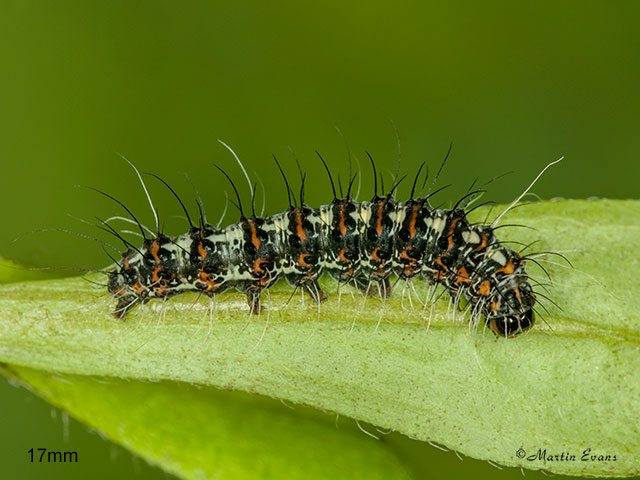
{"points": [[360, 243]]}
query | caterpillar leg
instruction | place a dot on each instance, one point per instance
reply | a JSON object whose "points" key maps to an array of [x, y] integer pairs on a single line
{"points": [[314, 291], [372, 288], [254, 302], [126, 303]]}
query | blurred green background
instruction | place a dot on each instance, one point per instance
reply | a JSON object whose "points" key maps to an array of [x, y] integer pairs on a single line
{"points": [[513, 86]]}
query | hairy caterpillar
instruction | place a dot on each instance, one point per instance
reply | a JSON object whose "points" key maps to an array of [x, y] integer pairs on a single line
{"points": [[360, 243]]}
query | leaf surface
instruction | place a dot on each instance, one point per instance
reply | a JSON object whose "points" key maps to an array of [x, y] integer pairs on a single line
{"points": [[569, 384]]}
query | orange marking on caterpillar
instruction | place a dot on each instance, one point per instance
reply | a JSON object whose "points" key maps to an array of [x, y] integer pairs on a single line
{"points": [[439, 262], [507, 269], [341, 256], [161, 291], [202, 251], [483, 244], [516, 292], [412, 222], [408, 268], [154, 249], [463, 276], [484, 288], [155, 277], [495, 306], [254, 235], [138, 288], [379, 228], [450, 233], [408, 271], [302, 235], [202, 275], [302, 260], [257, 265], [439, 274], [343, 225], [206, 279], [494, 326], [405, 256]]}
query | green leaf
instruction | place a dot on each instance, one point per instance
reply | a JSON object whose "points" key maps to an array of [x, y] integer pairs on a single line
{"points": [[209, 433], [205, 432], [566, 386]]}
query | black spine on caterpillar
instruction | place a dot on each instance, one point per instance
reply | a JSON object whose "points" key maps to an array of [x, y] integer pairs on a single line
{"points": [[357, 243]]}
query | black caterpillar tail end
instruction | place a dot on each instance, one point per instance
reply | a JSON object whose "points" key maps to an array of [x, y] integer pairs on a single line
{"points": [[512, 325]]}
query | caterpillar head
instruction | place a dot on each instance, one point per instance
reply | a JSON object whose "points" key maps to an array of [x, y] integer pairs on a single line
{"points": [[512, 310], [124, 285]]}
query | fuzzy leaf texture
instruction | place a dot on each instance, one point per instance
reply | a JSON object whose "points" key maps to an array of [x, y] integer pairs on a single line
{"points": [[569, 384]]}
